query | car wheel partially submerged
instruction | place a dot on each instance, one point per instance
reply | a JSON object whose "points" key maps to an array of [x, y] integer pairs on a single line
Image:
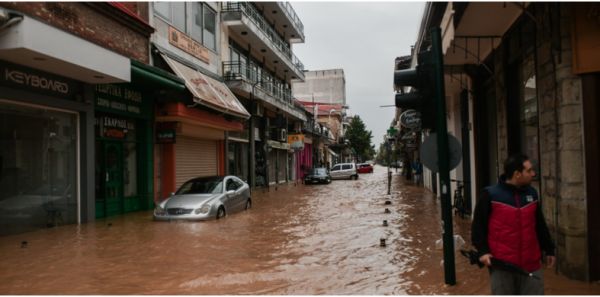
{"points": [[248, 204], [220, 212]]}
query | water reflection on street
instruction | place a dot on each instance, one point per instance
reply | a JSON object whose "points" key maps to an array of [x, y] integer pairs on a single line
{"points": [[297, 239]]}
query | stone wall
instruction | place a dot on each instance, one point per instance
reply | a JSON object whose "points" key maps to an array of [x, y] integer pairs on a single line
{"points": [[561, 143]]}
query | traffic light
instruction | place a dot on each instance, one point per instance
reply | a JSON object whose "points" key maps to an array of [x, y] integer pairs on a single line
{"points": [[421, 96]]}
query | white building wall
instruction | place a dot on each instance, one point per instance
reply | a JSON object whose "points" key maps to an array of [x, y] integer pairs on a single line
{"points": [[326, 86]]}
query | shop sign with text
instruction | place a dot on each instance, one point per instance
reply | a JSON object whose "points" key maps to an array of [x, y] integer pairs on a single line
{"points": [[116, 128], [120, 99], [188, 45], [296, 141], [166, 132], [17, 76]]}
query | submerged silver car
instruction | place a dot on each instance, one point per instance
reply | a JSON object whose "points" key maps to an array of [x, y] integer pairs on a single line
{"points": [[205, 198]]}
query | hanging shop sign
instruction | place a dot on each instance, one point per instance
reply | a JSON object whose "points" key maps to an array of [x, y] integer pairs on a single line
{"points": [[113, 127], [278, 145], [121, 99], [410, 119], [166, 132], [16, 76], [296, 141]]}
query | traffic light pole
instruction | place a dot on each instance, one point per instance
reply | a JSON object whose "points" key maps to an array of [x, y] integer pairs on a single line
{"points": [[389, 173], [443, 157]]}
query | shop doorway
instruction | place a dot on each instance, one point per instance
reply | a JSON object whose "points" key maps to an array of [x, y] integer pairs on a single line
{"points": [[109, 195]]}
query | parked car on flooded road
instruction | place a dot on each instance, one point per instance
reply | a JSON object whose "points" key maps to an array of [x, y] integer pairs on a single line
{"points": [[317, 175], [205, 198], [344, 170], [364, 168]]}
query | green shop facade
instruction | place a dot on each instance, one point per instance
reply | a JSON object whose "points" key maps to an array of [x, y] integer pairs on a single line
{"points": [[124, 143]]}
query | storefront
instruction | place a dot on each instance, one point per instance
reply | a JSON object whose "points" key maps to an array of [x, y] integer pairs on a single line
{"points": [[43, 150], [278, 161], [196, 148], [237, 153], [123, 130], [198, 125]]}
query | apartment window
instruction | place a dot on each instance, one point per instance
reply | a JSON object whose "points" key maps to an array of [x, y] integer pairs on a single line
{"points": [[200, 23], [178, 14], [163, 9], [210, 19], [197, 22]]}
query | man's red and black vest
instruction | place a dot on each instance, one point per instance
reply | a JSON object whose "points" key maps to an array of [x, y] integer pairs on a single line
{"points": [[512, 233]]}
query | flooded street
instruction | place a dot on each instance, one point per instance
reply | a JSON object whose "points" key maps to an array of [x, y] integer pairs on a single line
{"points": [[321, 239]]}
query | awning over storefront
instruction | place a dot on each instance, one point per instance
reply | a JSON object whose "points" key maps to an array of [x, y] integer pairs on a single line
{"points": [[150, 76], [208, 91], [332, 152]]}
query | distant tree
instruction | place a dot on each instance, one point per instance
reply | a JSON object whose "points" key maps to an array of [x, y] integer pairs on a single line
{"points": [[360, 139]]}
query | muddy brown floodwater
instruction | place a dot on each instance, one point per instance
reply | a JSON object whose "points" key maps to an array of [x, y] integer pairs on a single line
{"points": [[321, 239]]}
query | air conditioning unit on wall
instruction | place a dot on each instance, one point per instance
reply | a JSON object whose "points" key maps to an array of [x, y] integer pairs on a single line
{"points": [[282, 135]]}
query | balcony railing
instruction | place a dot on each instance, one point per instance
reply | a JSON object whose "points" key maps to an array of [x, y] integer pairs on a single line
{"points": [[291, 13], [267, 83], [267, 30]]}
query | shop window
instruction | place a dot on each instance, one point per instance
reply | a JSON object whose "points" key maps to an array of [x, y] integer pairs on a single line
{"points": [[38, 168]]}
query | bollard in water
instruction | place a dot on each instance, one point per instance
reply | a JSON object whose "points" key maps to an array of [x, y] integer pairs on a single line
{"points": [[385, 223], [387, 210], [387, 202], [382, 242]]}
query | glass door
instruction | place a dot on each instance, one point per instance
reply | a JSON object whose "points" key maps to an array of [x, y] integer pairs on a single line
{"points": [[112, 176]]}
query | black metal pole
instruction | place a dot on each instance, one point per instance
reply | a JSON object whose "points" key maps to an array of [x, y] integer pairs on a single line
{"points": [[443, 158], [389, 172]]}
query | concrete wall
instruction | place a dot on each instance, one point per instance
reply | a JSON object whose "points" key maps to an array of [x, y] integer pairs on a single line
{"points": [[327, 86], [88, 23]]}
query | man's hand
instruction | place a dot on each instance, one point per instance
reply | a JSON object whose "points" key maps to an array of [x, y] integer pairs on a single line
{"points": [[486, 259], [550, 261]]}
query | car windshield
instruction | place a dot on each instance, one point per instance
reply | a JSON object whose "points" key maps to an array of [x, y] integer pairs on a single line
{"points": [[318, 171], [210, 185]]}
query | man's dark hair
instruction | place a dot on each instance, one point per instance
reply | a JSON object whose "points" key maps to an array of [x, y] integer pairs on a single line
{"points": [[514, 163]]}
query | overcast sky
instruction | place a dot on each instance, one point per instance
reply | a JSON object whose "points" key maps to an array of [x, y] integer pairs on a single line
{"points": [[363, 38]]}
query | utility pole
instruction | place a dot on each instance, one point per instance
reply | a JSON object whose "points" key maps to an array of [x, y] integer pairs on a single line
{"points": [[443, 158], [429, 100]]}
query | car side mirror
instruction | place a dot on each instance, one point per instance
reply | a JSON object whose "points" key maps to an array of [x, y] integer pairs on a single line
{"points": [[230, 192]]}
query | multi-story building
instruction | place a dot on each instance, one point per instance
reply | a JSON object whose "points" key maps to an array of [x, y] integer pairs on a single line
{"points": [[322, 86], [74, 144], [189, 44], [325, 92], [259, 66], [523, 77]]}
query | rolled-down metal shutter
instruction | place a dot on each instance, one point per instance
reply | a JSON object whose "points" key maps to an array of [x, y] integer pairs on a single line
{"points": [[193, 158], [281, 175]]}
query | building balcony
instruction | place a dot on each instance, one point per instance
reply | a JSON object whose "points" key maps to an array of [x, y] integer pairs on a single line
{"points": [[246, 80], [243, 19], [285, 18]]}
